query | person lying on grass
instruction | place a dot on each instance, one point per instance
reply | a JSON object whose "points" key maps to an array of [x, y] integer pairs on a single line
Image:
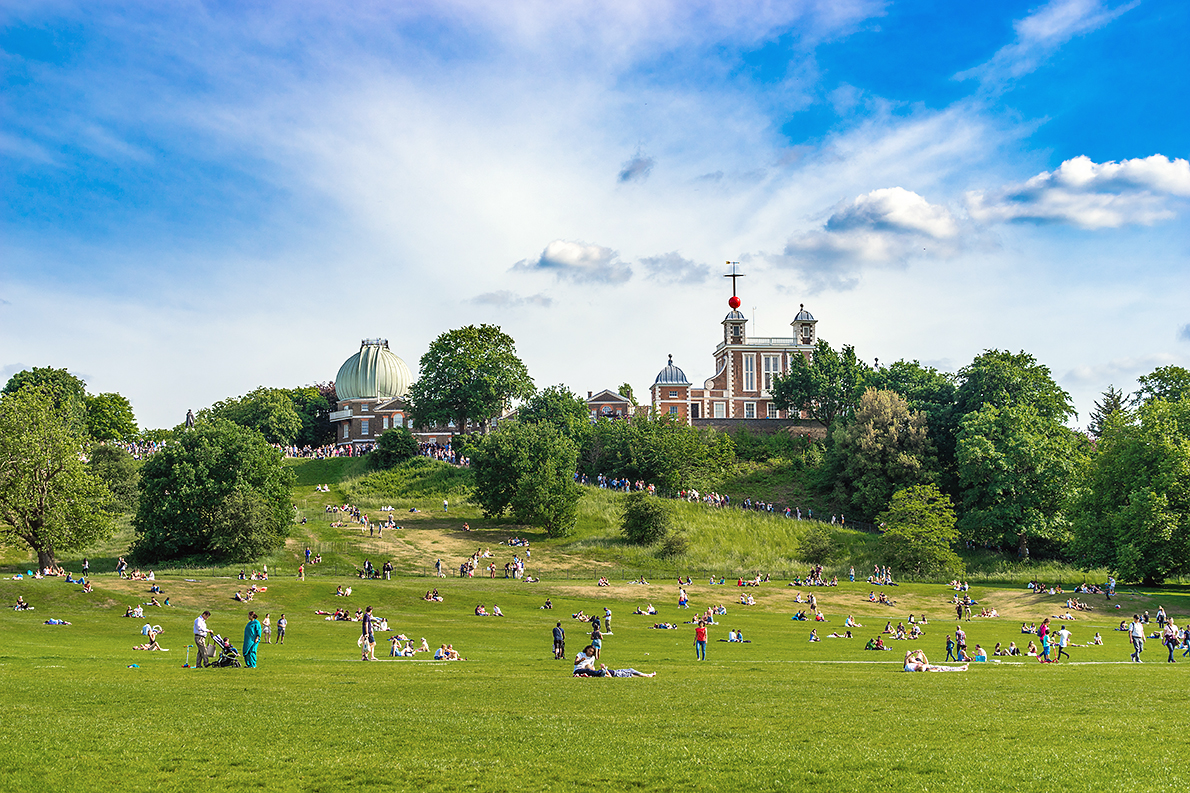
{"points": [[665, 626], [916, 661], [836, 635], [152, 643], [581, 617]]}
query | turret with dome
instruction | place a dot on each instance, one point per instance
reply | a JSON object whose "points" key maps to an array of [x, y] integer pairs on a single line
{"points": [[371, 388]]}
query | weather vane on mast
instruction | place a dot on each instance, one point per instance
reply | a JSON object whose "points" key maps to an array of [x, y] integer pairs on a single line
{"points": [[734, 301]]}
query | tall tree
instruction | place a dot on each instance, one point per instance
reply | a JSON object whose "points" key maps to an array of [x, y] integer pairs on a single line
{"points": [[528, 469], [1171, 383], [197, 492], [886, 447], [919, 533], [1002, 379], [269, 411], [49, 498], [1133, 511], [1015, 472], [625, 390], [470, 374], [110, 418], [927, 391], [314, 404], [1113, 401], [828, 386], [119, 471], [561, 407]]}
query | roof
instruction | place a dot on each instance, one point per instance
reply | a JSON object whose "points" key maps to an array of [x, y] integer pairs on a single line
{"points": [[373, 373], [607, 395], [733, 315], [671, 375], [803, 315]]}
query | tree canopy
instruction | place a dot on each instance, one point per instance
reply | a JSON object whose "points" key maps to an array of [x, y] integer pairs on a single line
{"points": [[1003, 379], [919, 533], [658, 449], [1171, 383], [828, 386], [561, 407], [49, 498], [393, 447], [1113, 401], [119, 471], [110, 418], [645, 519], [468, 375], [269, 411], [219, 491]]}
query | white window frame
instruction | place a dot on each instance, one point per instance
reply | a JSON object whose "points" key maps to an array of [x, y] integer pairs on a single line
{"points": [[363, 408], [749, 371], [363, 426], [720, 410], [773, 412], [772, 368], [673, 410], [749, 410], [346, 430], [673, 394]]}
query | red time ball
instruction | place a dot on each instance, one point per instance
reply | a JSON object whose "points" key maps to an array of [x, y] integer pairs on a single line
{"points": [[734, 302]]}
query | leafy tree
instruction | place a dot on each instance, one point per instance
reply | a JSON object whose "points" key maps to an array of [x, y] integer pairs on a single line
{"points": [[828, 386], [1171, 383], [469, 374], [1002, 379], [195, 492], [61, 385], [927, 391], [561, 407], [919, 532], [625, 390], [119, 471], [393, 447], [157, 435], [110, 418], [818, 545], [49, 498], [269, 411], [314, 404], [1015, 470], [659, 450], [1113, 401], [645, 519], [527, 469], [886, 447], [1133, 511]]}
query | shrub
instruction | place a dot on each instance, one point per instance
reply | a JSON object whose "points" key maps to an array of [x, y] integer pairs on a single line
{"points": [[394, 446], [645, 519]]}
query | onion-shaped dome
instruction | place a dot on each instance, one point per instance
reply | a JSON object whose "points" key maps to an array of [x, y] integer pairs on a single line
{"points": [[373, 373], [671, 375], [803, 315]]}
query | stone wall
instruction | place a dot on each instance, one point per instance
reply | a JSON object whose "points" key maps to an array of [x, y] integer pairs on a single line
{"points": [[793, 427]]}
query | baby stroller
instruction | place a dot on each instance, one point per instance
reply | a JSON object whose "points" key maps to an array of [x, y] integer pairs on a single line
{"points": [[228, 654]]}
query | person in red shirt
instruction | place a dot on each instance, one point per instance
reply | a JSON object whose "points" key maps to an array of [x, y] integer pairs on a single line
{"points": [[700, 641]]}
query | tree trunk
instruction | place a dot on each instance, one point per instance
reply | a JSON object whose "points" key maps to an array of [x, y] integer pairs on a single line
{"points": [[1023, 549], [46, 559]]}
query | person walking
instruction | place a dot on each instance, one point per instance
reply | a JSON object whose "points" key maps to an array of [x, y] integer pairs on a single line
{"points": [[1169, 637], [559, 642], [266, 629], [607, 620], [1064, 636], [368, 639], [282, 624], [200, 640], [950, 656], [251, 640], [445, 505], [700, 641], [1136, 632], [302, 572], [86, 568]]}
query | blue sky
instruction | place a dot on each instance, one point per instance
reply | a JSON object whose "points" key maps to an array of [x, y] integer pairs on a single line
{"points": [[203, 198]]}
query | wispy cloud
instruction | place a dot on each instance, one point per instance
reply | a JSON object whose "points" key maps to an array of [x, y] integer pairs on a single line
{"points": [[578, 261], [1184, 333], [1117, 370], [672, 267], [1090, 195], [1039, 35], [637, 169], [883, 226], [505, 299]]}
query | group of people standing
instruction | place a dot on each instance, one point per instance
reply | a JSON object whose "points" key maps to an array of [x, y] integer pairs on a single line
{"points": [[254, 631]]}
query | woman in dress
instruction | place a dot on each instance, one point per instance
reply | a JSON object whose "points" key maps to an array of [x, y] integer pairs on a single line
{"points": [[251, 640]]}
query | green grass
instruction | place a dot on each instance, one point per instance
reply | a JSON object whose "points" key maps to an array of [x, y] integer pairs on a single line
{"points": [[777, 714]]}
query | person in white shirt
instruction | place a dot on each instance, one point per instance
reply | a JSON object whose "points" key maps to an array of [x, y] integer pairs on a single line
{"points": [[200, 640], [1136, 632], [1063, 642]]}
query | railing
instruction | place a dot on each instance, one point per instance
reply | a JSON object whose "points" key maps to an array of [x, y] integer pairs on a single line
{"points": [[340, 415]]}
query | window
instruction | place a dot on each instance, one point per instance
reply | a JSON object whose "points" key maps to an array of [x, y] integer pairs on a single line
{"points": [[363, 408], [695, 410], [363, 427], [772, 368], [673, 410], [749, 372], [807, 334], [346, 429], [673, 394], [720, 410], [773, 412], [749, 410]]}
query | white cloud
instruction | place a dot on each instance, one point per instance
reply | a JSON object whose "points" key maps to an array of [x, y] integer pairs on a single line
{"points": [[1118, 371], [1090, 195], [578, 261], [672, 267], [883, 226], [1039, 35], [505, 299]]}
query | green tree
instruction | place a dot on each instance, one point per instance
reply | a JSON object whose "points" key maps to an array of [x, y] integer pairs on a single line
{"points": [[645, 519], [527, 469], [196, 489], [110, 418], [1015, 470], [561, 407], [269, 411], [314, 404], [1133, 511], [61, 385], [828, 386], [886, 447], [1113, 401], [393, 447], [658, 449], [119, 471], [919, 533], [1002, 379], [625, 390], [49, 498], [470, 374], [1171, 383], [818, 545], [927, 391]]}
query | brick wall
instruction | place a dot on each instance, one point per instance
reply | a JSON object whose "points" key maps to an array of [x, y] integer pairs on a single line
{"points": [[766, 426]]}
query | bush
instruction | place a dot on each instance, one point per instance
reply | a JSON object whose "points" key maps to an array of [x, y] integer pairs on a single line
{"points": [[675, 544], [395, 446], [819, 545], [645, 519]]}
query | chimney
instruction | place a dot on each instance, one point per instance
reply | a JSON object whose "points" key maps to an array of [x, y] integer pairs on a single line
{"points": [[588, 395]]}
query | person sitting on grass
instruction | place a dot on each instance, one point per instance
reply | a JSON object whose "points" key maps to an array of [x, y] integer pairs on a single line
{"points": [[800, 616], [1031, 650], [814, 635], [851, 623], [496, 612], [584, 664], [23, 606], [999, 650], [480, 611], [151, 644], [338, 591], [888, 628], [916, 661], [1013, 650], [394, 647], [1098, 639]]}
